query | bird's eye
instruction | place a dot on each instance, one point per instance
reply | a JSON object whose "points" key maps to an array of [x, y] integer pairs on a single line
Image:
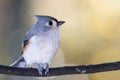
{"points": [[50, 23]]}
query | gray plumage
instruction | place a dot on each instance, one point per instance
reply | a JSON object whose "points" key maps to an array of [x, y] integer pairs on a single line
{"points": [[40, 43]]}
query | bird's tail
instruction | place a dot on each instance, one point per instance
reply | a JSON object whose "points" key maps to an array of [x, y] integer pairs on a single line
{"points": [[20, 62]]}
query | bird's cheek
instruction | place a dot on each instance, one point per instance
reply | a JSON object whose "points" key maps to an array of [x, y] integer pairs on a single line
{"points": [[55, 27], [46, 28]]}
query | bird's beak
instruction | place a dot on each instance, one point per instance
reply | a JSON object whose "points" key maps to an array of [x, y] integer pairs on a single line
{"points": [[60, 23]]}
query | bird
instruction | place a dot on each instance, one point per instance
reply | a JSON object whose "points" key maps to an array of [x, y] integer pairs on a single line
{"points": [[40, 44]]}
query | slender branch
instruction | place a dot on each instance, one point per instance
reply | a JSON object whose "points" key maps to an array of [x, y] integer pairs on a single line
{"points": [[66, 70]]}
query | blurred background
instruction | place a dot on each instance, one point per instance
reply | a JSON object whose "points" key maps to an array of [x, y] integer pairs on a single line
{"points": [[91, 34]]}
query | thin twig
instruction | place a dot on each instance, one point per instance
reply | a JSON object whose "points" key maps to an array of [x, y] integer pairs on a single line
{"points": [[66, 70]]}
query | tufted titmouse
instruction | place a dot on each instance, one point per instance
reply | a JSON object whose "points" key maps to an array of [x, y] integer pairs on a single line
{"points": [[40, 44]]}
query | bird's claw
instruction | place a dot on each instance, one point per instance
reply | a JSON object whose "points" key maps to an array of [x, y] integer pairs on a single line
{"points": [[46, 69], [41, 69]]}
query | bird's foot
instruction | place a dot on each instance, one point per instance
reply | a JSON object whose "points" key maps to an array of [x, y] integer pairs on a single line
{"points": [[42, 70], [39, 68], [46, 68]]}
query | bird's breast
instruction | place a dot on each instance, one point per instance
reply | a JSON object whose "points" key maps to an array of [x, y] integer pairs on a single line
{"points": [[41, 50]]}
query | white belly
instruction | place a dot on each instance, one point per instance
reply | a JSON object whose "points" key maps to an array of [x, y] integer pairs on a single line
{"points": [[40, 51]]}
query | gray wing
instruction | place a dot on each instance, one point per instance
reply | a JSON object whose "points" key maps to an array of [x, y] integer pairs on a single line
{"points": [[20, 62], [28, 36], [26, 39]]}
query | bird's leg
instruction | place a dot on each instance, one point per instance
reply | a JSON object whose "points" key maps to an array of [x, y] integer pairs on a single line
{"points": [[39, 68], [46, 68], [25, 65]]}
